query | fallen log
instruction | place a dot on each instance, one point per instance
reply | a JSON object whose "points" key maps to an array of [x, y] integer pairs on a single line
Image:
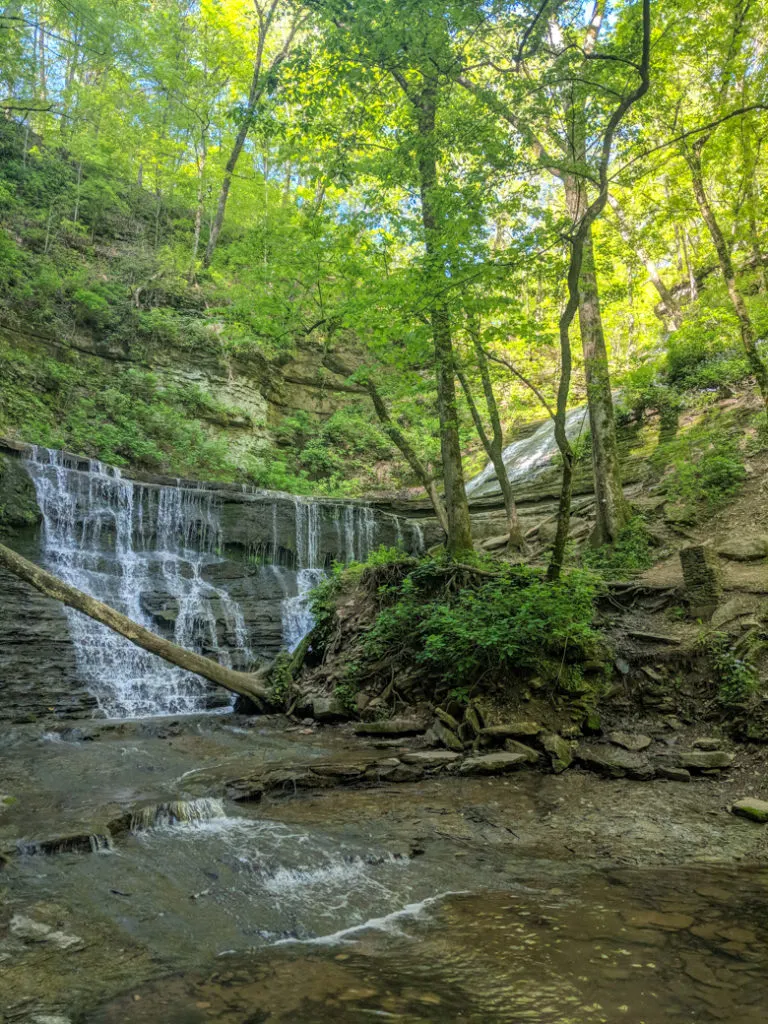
{"points": [[246, 684]]}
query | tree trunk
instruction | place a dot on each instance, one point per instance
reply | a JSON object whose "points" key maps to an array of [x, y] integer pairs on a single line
{"points": [[245, 684], [494, 451], [200, 209], [396, 436], [757, 366], [457, 508], [612, 509]]}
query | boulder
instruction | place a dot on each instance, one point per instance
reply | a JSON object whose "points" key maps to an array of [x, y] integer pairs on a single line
{"points": [[447, 719], [430, 758], [737, 612], [744, 549], [446, 736], [509, 731], [391, 727], [701, 575], [672, 774], [492, 764], [559, 750], [515, 747], [629, 740], [704, 760], [473, 718], [615, 763], [706, 743], [328, 709], [752, 808]]}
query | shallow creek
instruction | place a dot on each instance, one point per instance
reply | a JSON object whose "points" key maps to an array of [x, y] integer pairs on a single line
{"points": [[530, 898]]}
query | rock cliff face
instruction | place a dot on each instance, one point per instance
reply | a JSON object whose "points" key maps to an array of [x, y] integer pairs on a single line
{"points": [[216, 567]]}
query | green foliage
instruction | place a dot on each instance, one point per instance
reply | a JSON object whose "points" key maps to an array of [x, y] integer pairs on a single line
{"points": [[485, 628], [703, 468], [737, 677], [629, 555]]}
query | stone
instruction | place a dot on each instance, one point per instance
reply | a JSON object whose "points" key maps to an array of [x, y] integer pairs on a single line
{"points": [[473, 719], [702, 760], [673, 774], [446, 737], [592, 722], [448, 720], [669, 921], [739, 611], [752, 808], [391, 727], [515, 747], [509, 730], [328, 709], [430, 758], [559, 750], [706, 743], [701, 575], [744, 549], [629, 741], [28, 930], [492, 764], [615, 763]]}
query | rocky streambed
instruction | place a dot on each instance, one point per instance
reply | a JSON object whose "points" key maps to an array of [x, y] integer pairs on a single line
{"points": [[218, 868]]}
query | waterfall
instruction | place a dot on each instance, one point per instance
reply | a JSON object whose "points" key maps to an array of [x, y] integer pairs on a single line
{"points": [[154, 553], [355, 528], [121, 542], [528, 458]]}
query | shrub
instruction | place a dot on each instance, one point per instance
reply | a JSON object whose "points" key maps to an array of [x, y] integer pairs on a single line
{"points": [[630, 554], [460, 626]]}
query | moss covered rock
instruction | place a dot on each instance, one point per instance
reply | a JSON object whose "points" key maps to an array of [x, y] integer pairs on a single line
{"points": [[18, 503]]}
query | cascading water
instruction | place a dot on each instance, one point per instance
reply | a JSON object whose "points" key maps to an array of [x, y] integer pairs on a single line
{"points": [[119, 541], [530, 457], [355, 527], [153, 552]]}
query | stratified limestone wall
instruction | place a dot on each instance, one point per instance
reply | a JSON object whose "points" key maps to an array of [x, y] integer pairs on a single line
{"points": [[268, 548]]}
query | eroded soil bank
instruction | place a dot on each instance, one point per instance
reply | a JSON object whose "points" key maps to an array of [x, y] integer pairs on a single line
{"points": [[517, 897]]}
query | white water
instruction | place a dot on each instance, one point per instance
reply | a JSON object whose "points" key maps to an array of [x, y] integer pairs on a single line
{"points": [[356, 537], [144, 550], [117, 541], [529, 458]]}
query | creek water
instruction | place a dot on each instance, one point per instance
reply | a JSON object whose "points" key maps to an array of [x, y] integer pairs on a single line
{"points": [[562, 900]]}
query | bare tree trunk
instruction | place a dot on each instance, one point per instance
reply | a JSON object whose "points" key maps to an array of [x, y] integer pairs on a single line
{"points": [[757, 365], [200, 208], [668, 303], [612, 510], [246, 684], [396, 436], [494, 451], [456, 506], [266, 15]]}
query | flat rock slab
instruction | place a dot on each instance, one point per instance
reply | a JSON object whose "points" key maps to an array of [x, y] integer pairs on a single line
{"points": [[391, 727], [492, 764], [630, 740], [745, 549], [707, 743], [702, 760], [752, 808], [430, 758], [614, 762], [510, 730]]}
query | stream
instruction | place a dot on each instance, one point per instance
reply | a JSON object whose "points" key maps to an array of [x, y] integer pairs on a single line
{"points": [[559, 900]]}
